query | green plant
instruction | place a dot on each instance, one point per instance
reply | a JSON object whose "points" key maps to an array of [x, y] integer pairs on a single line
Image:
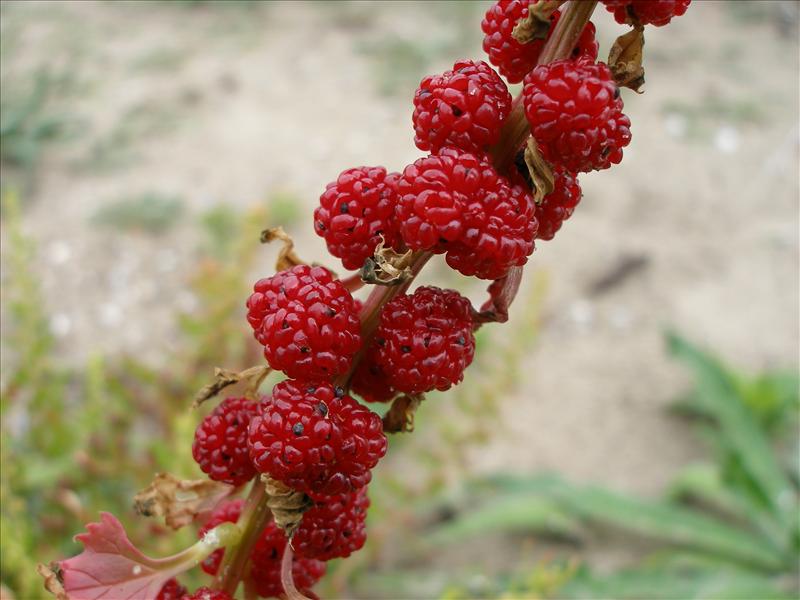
{"points": [[150, 212], [728, 527]]}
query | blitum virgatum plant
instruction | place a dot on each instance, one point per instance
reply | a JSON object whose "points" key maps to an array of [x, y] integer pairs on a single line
{"points": [[502, 172]]}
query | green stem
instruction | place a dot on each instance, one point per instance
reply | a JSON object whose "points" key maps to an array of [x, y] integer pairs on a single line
{"points": [[255, 516]]}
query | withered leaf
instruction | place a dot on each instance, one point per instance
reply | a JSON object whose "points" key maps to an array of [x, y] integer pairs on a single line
{"points": [[287, 505], [52, 583], [625, 59], [180, 501], [387, 267], [540, 171], [501, 294], [224, 378], [287, 258], [537, 24], [400, 416]]}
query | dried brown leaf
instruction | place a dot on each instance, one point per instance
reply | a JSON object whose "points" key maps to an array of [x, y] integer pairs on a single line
{"points": [[287, 505], [625, 59], [400, 417], [501, 294], [387, 267], [286, 256], [52, 583], [180, 501], [536, 25], [224, 378], [540, 171]]}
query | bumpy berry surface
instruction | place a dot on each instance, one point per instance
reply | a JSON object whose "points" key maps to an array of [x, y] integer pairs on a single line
{"points": [[316, 439], [464, 107], [306, 321], [558, 205], [266, 561], [575, 113], [455, 202], [355, 211], [334, 527], [172, 590], [227, 512], [205, 593], [220, 442], [370, 383], [424, 340], [498, 234], [515, 60], [647, 12]]}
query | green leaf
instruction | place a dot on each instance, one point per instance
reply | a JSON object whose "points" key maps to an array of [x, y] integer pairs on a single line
{"points": [[509, 514], [744, 439]]}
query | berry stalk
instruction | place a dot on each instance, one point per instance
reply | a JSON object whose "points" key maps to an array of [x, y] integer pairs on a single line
{"points": [[255, 515]]}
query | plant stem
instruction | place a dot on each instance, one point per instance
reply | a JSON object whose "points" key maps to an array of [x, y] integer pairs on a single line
{"points": [[513, 136], [255, 516]]}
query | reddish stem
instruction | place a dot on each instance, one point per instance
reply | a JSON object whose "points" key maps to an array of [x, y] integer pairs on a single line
{"points": [[287, 579]]}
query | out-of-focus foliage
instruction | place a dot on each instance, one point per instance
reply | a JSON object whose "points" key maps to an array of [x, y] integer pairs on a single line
{"points": [[728, 528], [77, 441]]}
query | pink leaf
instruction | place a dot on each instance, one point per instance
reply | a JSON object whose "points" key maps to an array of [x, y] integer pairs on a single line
{"points": [[112, 568]]}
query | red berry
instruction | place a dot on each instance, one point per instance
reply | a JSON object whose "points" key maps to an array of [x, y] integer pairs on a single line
{"points": [[516, 60], [334, 527], [464, 107], [558, 205], [306, 321], [316, 439], [575, 114], [172, 590], [455, 202], [355, 211], [424, 340], [369, 381], [227, 512], [205, 593], [266, 560], [220, 442], [499, 234], [647, 12]]}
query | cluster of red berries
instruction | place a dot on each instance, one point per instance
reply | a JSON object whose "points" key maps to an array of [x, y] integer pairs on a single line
{"points": [[309, 433]]}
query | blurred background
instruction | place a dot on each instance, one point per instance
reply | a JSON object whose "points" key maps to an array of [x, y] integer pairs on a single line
{"points": [[631, 433]]}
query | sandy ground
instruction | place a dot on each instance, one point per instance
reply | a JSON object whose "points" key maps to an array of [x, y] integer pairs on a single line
{"points": [[284, 96]]}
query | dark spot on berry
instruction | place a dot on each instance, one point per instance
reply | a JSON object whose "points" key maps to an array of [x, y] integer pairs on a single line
{"points": [[322, 409], [461, 341], [426, 342], [311, 389], [343, 208], [282, 290], [616, 92], [338, 392], [405, 349], [274, 554], [305, 349], [347, 533], [351, 229], [320, 226], [225, 456], [380, 341], [284, 325], [442, 240], [297, 429], [330, 312], [235, 422], [457, 112], [606, 151]]}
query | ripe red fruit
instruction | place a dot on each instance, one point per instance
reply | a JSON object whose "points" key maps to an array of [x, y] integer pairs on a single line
{"points": [[316, 439], [558, 205], [266, 561], [355, 211], [575, 113], [172, 590], [227, 512], [306, 321], [647, 12], [205, 593], [334, 527], [464, 107], [455, 202], [220, 442], [370, 383], [424, 340], [515, 60]]}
